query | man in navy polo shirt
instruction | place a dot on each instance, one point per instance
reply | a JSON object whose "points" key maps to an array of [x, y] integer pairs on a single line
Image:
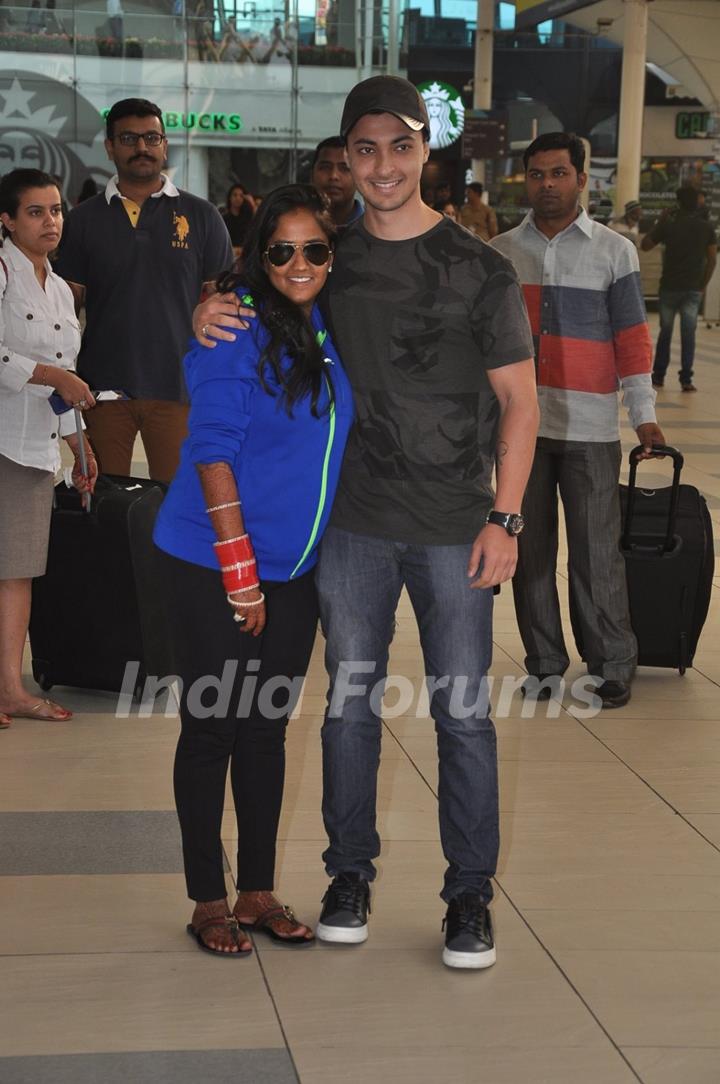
{"points": [[138, 256]]}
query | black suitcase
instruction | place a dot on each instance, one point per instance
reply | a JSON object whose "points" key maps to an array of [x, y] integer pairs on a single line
{"points": [[667, 543], [86, 624]]}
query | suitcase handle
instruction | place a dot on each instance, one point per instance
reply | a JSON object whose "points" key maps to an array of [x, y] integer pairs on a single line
{"points": [[660, 450]]}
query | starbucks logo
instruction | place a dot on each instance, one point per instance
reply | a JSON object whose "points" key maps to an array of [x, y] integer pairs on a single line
{"points": [[446, 112], [45, 124]]}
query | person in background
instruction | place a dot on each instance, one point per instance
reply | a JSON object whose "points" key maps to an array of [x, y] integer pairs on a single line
{"points": [[238, 215], [688, 264], [204, 33], [52, 23], [34, 22], [331, 176], [239, 531], [584, 297], [476, 215], [116, 17], [448, 209], [89, 189], [139, 256], [443, 193], [628, 224], [39, 341]]}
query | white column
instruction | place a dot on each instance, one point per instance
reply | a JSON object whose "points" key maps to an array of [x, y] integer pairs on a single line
{"points": [[632, 102], [393, 43], [197, 171], [359, 39], [482, 77], [368, 38]]}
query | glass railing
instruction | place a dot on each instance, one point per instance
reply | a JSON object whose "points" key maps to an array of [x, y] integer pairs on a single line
{"points": [[210, 32], [252, 38]]}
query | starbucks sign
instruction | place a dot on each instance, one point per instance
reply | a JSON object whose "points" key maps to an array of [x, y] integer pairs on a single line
{"points": [[446, 112]]}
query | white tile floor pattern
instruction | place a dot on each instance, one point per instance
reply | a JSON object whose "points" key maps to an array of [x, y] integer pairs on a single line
{"points": [[607, 907]]}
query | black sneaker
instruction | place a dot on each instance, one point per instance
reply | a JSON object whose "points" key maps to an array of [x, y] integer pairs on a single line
{"points": [[613, 694], [658, 381], [468, 933], [345, 909], [540, 686], [688, 387]]}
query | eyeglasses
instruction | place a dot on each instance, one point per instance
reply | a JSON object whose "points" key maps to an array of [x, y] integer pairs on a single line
{"points": [[131, 139], [315, 252]]}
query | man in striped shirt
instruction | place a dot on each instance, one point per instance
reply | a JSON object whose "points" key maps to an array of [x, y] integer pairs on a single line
{"points": [[582, 287]]}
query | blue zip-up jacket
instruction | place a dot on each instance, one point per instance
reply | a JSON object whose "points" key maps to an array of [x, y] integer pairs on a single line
{"points": [[286, 468]]}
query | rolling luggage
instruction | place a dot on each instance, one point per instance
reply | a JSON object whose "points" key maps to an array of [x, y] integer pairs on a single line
{"points": [[86, 624], [667, 543]]}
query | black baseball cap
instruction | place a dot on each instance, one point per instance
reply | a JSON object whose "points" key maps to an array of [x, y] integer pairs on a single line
{"points": [[385, 94]]}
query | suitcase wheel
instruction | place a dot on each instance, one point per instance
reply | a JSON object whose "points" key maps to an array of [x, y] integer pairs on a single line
{"points": [[682, 664]]}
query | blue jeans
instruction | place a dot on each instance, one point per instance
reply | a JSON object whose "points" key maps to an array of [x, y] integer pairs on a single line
{"points": [[687, 303], [359, 580]]}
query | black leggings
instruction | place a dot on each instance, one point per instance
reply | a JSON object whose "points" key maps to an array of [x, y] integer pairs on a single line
{"points": [[238, 720]]}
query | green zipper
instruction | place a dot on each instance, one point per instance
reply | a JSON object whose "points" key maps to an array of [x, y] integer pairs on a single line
{"points": [[323, 483]]}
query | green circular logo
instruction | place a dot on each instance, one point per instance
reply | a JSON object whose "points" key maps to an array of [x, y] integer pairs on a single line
{"points": [[446, 112]]}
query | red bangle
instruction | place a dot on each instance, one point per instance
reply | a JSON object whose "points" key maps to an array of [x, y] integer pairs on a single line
{"points": [[235, 577], [234, 550]]}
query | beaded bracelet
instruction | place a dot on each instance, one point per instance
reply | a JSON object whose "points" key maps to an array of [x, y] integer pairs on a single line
{"points": [[243, 605], [226, 541], [236, 565], [240, 577], [219, 508], [242, 590]]}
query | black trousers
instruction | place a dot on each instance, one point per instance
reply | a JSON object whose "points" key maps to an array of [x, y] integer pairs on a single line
{"points": [[237, 693]]}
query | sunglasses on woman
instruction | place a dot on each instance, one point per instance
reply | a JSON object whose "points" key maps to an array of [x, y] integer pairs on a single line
{"points": [[280, 253]]}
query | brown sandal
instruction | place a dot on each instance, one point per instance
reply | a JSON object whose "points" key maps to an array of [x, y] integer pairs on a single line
{"points": [[230, 923], [263, 924]]}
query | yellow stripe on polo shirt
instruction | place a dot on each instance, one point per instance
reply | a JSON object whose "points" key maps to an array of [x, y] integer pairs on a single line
{"points": [[133, 210]]}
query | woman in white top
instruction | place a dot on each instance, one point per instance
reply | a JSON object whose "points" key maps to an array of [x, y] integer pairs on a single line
{"points": [[39, 342]]}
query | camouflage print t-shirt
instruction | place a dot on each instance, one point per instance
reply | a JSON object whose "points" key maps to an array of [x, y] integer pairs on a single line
{"points": [[417, 324]]}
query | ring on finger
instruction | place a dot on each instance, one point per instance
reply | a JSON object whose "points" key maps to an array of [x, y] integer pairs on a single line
{"points": [[204, 331], [239, 618]]}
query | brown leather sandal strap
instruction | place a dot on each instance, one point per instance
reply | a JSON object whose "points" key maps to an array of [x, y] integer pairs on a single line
{"points": [[265, 919], [229, 922]]}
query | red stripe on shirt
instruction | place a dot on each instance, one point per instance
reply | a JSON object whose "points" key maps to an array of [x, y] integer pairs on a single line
{"points": [[577, 364], [633, 350], [533, 296]]}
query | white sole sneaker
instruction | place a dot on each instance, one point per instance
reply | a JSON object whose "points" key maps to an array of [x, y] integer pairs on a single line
{"points": [[474, 960], [342, 935]]}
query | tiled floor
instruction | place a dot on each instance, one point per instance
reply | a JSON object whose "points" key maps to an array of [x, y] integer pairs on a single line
{"points": [[607, 907]]}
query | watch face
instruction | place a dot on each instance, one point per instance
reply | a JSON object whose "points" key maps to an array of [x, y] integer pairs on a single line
{"points": [[515, 524]]}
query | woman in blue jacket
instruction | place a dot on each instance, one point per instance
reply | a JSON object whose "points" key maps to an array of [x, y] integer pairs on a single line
{"points": [[239, 531]]}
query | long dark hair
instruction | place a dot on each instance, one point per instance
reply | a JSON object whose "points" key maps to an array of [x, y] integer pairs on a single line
{"points": [[230, 191], [291, 332], [13, 185]]}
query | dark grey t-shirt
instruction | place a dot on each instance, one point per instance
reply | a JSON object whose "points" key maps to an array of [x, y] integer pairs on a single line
{"points": [[686, 237], [417, 324]]}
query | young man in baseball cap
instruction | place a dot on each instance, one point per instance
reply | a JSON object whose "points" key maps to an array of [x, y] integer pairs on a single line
{"points": [[434, 335]]}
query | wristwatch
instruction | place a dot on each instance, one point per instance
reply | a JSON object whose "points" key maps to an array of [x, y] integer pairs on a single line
{"points": [[513, 522]]}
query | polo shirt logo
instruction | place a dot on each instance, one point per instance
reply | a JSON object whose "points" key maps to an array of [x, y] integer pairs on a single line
{"points": [[182, 231]]}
